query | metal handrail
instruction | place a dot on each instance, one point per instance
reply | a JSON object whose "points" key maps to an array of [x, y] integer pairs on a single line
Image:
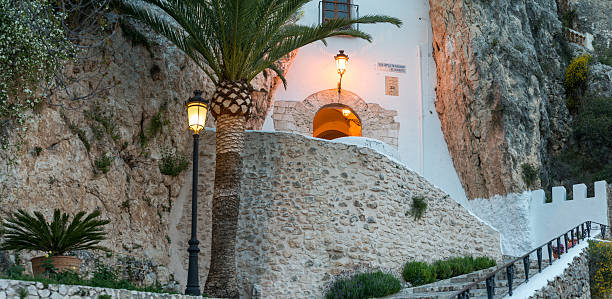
{"points": [[509, 266]]}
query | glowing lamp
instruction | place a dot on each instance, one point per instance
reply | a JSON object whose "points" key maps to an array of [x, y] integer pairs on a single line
{"points": [[341, 61], [197, 109], [346, 112]]}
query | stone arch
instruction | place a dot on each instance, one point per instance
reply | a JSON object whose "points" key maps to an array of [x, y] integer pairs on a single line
{"points": [[334, 121], [376, 122]]}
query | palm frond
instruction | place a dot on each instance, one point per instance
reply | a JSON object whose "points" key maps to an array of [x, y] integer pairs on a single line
{"points": [[32, 232], [235, 40]]}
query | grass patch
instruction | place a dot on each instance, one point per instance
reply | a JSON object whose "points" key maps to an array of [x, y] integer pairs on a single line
{"points": [[364, 285]]}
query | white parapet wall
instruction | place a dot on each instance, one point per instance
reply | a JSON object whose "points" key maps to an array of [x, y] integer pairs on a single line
{"points": [[525, 220], [548, 220]]}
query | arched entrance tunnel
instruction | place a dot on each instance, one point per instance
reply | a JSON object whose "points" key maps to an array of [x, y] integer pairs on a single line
{"points": [[334, 121]]}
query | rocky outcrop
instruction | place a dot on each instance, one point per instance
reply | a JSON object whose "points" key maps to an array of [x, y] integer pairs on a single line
{"points": [[500, 96], [136, 113]]}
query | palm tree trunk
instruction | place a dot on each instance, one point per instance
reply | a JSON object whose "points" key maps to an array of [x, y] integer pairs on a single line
{"points": [[222, 281]]}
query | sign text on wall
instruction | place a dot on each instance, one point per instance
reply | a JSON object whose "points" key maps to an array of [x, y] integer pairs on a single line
{"points": [[391, 67]]}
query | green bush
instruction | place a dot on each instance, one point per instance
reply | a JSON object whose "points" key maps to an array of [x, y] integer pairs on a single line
{"points": [[172, 163], [576, 75], [418, 273], [600, 269], [363, 286], [461, 265], [442, 270], [483, 262]]}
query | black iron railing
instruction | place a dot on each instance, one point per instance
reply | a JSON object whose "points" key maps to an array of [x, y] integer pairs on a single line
{"points": [[581, 231]]}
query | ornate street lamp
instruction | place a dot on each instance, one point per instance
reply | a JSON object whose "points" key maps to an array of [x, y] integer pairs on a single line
{"points": [[197, 109], [341, 62]]}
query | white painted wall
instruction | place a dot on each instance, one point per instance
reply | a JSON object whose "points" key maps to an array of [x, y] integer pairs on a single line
{"points": [[548, 220], [421, 143], [525, 220]]}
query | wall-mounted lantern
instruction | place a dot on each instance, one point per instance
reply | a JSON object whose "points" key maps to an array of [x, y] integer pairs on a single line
{"points": [[341, 62]]}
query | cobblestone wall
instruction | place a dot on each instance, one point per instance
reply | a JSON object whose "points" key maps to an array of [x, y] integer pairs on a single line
{"points": [[377, 122], [573, 283], [312, 209], [13, 288]]}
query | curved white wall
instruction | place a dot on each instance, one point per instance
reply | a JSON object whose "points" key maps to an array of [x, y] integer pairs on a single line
{"points": [[421, 143]]}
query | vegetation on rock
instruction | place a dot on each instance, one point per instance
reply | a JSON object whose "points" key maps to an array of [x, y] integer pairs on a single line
{"points": [[576, 76], [172, 163], [364, 285], [600, 269], [530, 174], [31, 49], [103, 163], [23, 231], [587, 158]]}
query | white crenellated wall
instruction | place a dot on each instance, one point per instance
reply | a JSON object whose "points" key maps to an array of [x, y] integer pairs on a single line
{"points": [[526, 221], [548, 220]]}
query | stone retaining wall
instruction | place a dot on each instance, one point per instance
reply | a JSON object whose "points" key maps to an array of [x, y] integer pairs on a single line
{"points": [[313, 209], [573, 283], [12, 289]]}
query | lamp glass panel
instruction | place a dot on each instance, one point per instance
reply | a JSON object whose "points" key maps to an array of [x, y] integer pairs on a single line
{"points": [[341, 64], [196, 112]]}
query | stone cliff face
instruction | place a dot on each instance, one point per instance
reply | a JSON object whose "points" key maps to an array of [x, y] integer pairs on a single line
{"points": [[500, 96], [136, 114]]}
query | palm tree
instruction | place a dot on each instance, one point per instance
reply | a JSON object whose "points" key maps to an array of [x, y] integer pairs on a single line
{"points": [[232, 41]]}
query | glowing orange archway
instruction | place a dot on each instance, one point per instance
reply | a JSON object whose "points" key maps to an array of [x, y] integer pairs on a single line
{"points": [[334, 121]]}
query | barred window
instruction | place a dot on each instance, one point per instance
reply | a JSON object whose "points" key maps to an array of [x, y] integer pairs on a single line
{"points": [[336, 9]]}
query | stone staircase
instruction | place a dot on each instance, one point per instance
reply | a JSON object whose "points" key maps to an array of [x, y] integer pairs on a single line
{"points": [[444, 288]]}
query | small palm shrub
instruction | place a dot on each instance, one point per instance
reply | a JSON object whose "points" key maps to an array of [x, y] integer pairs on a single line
{"points": [[418, 273], [23, 231], [364, 285]]}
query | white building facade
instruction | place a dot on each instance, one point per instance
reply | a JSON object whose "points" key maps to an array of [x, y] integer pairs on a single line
{"points": [[388, 89]]}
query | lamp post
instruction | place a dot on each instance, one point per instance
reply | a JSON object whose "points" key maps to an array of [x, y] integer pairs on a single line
{"points": [[341, 61], [197, 108]]}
